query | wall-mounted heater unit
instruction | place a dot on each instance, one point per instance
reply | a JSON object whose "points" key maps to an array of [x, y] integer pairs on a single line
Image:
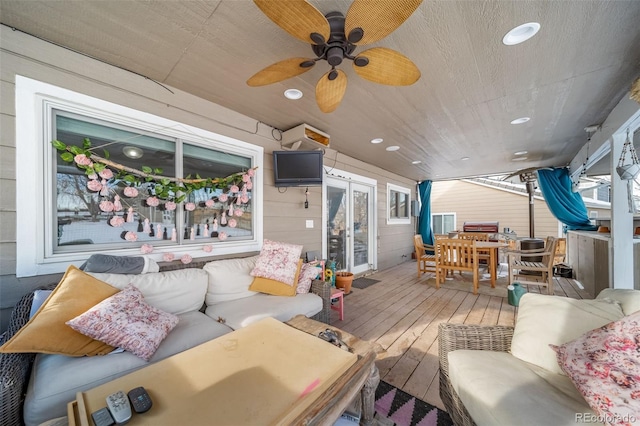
{"points": [[304, 137]]}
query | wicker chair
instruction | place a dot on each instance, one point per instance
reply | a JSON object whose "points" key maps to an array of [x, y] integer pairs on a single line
{"points": [[452, 337]]}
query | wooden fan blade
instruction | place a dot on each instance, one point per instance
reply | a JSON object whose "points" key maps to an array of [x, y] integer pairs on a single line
{"points": [[329, 93], [297, 17], [279, 71], [378, 18], [386, 66]]}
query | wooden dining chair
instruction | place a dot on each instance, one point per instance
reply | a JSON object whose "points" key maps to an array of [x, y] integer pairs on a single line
{"points": [[483, 255], [521, 261], [425, 255], [456, 255]]}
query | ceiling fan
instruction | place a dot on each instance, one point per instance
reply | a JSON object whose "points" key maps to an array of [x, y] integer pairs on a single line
{"points": [[334, 38]]}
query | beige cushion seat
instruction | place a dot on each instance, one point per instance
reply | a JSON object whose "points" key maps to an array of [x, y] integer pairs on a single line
{"points": [[500, 389]]}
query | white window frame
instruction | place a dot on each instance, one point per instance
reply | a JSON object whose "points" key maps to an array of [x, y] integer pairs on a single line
{"points": [[398, 220], [35, 101], [443, 214]]}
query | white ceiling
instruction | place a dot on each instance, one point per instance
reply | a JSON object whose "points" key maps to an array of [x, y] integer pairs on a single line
{"points": [[570, 75]]}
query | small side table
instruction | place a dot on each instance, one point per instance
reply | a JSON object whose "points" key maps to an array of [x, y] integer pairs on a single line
{"points": [[336, 293]]}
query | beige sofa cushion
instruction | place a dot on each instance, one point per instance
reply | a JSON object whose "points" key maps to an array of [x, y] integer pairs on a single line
{"points": [[544, 319], [498, 389], [229, 279], [629, 299], [175, 292]]}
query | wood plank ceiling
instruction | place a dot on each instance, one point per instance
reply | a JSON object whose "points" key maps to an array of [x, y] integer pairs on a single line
{"points": [[570, 75]]}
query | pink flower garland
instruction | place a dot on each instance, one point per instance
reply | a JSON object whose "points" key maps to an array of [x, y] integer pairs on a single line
{"points": [[146, 249], [130, 191], [186, 259], [153, 202], [168, 257]]}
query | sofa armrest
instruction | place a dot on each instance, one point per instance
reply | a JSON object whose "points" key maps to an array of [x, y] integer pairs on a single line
{"points": [[452, 337], [322, 289]]}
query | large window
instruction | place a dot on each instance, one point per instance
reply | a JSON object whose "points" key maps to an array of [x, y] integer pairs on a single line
{"points": [[443, 223], [71, 222], [398, 204]]}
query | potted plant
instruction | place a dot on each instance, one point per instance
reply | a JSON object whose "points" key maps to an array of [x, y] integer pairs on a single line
{"points": [[344, 280]]}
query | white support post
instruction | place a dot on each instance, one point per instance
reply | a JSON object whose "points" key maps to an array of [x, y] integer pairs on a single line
{"points": [[621, 245]]}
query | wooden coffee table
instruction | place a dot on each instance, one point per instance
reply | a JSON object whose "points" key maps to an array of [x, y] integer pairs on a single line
{"points": [[251, 375]]}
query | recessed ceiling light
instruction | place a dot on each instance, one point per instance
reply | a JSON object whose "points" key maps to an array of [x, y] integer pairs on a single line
{"points": [[292, 94], [393, 148], [464, 158], [521, 33], [519, 158], [520, 120], [521, 153], [416, 162], [377, 140], [132, 152]]}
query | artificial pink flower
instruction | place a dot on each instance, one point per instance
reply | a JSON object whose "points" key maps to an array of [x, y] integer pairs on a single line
{"points": [[209, 203], [234, 188], [251, 172], [92, 176], [106, 174], [249, 185], [207, 248], [131, 236], [82, 160], [94, 185], [117, 205], [146, 249], [238, 212], [222, 236], [170, 205], [168, 257], [244, 189], [223, 197], [244, 199], [153, 202], [186, 259], [190, 207], [246, 178], [233, 223], [116, 221], [106, 206], [130, 191]]}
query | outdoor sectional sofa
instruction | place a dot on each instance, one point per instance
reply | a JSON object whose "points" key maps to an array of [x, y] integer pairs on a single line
{"points": [[499, 375], [210, 300]]}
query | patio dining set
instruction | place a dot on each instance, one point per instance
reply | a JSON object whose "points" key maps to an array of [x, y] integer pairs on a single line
{"points": [[468, 251]]}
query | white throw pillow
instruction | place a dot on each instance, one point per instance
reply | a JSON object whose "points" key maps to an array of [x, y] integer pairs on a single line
{"points": [[175, 292], [229, 279], [544, 320]]}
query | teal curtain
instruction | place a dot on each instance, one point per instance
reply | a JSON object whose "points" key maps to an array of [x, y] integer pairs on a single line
{"points": [[424, 220], [567, 206]]}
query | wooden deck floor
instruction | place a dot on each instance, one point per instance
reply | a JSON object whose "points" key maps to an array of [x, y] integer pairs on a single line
{"points": [[402, 313]]}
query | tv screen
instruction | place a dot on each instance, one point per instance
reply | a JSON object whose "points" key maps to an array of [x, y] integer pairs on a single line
{"points": [[297, 168]]}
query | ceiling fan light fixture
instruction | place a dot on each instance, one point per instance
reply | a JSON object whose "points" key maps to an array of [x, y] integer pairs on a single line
{"points": [[292, 94], [520, 120], [521, 33], [392, 148], [377, 140]]}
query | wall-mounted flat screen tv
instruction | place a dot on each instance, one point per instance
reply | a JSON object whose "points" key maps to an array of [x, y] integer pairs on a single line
{"points": [[297, 168]]}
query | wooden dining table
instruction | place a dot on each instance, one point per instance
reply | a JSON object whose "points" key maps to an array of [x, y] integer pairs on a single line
{"points": [[491, 248]]}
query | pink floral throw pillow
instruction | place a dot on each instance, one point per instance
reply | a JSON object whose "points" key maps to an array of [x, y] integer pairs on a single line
{"points": [[308, 273], [604, 364], [125, 320], [278, 261]]}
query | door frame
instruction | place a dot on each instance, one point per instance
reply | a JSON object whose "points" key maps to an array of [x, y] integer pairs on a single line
{"points": [[349, 178]]}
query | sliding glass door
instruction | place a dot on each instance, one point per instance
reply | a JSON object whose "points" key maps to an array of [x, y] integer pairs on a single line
{"points": [[350, 227]]}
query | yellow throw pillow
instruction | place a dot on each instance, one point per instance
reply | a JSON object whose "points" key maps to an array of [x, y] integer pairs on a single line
{"points": [[276, 288], [47, 332]]}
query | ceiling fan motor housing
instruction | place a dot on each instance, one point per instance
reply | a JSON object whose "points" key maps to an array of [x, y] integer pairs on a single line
{"points": [[337, 47]]}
